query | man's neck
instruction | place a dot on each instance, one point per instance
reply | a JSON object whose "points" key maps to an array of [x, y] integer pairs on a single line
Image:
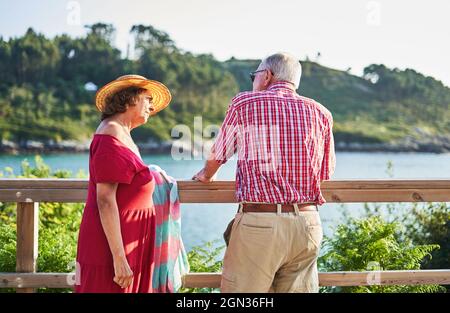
{"points": [[281, 84]]}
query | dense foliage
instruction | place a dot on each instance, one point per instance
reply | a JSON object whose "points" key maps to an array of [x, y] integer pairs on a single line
{"points": [[58, 226], [47, 87], [373, 244]]}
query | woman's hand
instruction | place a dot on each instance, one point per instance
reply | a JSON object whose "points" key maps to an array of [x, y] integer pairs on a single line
{"points": [[123, 276]]}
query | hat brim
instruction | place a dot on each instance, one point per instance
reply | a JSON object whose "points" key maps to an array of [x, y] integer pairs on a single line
{"points": [[160, 93]]}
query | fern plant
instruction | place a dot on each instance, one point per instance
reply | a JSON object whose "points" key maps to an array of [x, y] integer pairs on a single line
{"points": [[372, 243]]}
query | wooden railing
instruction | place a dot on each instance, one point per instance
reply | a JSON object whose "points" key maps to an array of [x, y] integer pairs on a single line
{"points": [[28, 193]]}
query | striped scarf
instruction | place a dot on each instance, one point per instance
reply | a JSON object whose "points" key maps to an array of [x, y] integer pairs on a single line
{"points": [[171, 261]]}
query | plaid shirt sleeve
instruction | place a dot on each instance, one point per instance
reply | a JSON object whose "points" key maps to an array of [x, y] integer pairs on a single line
{"points": [[329, 157], [225, 145]]}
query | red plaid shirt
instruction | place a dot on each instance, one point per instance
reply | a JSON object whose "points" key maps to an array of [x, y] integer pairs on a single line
{"points": [[284, 144]]}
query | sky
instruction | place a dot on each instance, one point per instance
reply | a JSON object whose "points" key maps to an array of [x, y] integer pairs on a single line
{"points": [[347, 33]]}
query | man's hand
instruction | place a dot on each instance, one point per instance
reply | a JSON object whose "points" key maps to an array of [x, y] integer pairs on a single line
{"points": [[209, 172], [201, 176]]}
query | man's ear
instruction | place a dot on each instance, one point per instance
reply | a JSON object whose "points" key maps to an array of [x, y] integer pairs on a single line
{"points": [[268, 78]]}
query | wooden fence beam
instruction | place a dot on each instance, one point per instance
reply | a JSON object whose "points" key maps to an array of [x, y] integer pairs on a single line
{"points": [[212, 280], [27, 239], [334, 191], [419, 277]]}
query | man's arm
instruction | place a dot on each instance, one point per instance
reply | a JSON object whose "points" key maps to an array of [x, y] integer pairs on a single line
{"points": [[224, 147], [209, 172], [329, 157]]}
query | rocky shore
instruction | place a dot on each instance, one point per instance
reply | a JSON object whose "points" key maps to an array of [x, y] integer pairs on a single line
{"points": [[431, 144], [69, 146]]}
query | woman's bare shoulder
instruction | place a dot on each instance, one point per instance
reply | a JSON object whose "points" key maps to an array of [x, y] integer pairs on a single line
{"points": [[111, 128]]}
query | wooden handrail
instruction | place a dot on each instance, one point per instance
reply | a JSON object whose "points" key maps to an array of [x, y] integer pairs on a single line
{"points": [[212, 280], [27, 193], [335, 191], [366, 278]]}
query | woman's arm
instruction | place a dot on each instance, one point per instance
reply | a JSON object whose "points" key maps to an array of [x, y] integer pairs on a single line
{"points": [[109, 216]]}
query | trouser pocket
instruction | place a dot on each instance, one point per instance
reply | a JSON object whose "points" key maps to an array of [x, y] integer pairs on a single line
{"points": [[315, 236]]}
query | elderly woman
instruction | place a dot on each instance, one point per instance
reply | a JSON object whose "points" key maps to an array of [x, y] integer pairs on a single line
{"points": [[115, 245]]}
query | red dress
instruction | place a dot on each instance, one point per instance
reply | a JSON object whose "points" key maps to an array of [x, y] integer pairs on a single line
{"points": [[113, 162]]}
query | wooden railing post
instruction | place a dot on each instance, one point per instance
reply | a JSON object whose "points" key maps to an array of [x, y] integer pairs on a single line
{"points": [[27, 239]]}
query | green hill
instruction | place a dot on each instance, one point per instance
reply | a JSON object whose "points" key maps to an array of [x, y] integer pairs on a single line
{"points": [[46, 91], [383, 106]]}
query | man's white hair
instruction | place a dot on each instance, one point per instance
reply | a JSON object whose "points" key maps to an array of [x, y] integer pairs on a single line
{"points": [[284, 66]]}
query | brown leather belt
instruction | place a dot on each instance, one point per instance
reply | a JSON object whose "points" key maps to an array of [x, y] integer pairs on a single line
{"points": [[272, 208]]}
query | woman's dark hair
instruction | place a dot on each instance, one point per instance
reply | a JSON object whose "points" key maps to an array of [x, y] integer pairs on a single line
{"points": [[120, 101]]}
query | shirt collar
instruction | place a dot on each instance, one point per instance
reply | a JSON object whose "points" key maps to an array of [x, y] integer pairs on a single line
{"points": [[282, 86]]}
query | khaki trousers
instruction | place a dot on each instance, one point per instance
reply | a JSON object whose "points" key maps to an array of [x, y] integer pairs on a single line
{"points": [[273, 252]]}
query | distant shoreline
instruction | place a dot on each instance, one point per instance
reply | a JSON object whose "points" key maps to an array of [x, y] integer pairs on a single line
{"points": [[429, 146]]}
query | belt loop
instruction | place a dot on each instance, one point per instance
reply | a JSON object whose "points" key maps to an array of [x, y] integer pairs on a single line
{"points": [[240, 207], [297, 212], [278, 209]]}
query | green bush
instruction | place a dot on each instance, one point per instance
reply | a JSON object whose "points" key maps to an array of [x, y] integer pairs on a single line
{"points": [[8, 247], [58, 228], [431, 224], [56, 251], [205, 259], [373, 243]]}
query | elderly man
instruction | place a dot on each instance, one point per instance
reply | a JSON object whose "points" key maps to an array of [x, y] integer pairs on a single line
{"points": [[285, 149]]}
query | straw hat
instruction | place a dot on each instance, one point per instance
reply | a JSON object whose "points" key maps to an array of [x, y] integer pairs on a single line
{"points": [[160, 93]]}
